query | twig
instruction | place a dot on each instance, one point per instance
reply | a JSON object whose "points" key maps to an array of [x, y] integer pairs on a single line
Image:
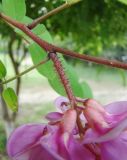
{"points": [[49, 47], [47, 15], [24, 72]]}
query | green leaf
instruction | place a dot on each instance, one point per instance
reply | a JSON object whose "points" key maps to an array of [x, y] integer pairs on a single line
{"points": [[123, 1], [1, 8], [40, 29], [87, 90], [16, 9], [38, 54], [10, 99], [27, 20], [47, 70], [3, 71]]}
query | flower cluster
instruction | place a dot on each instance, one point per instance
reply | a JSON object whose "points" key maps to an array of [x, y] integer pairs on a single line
{"points": [[104, 135]]}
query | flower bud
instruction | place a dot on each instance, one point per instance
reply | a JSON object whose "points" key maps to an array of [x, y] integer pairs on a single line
{"points": [[96, 115], [69, 121]]}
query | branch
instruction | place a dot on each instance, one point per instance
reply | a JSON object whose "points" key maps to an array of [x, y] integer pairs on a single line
{"points": [[52, 48], [51, 13], [47, 15], [59, 68], [24, 72]]}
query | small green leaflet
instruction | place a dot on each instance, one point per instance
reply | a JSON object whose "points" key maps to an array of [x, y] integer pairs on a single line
{"points": [[16, 9], [3, 71], [10, 99], [123, 1]]}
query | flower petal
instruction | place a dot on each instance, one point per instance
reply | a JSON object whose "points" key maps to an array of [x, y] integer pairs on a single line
{"points": [[115, 149], [78, 151], [54, 116], [60, 104], [101, 120], [23, 138], [39, 152], [43, 152], [116, 107], [112, 134], [54, 144]]}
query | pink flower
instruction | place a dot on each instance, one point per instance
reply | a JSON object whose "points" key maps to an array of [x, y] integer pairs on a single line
{"points": [[104, 135], [107, 135], [48, 142]]}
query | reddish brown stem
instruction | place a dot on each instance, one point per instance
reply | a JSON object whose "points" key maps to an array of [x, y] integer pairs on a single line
{"points": [[49, 47], [59, 68]]}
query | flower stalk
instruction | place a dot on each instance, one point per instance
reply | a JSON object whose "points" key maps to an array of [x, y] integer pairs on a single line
{"points": [[59, 68]]}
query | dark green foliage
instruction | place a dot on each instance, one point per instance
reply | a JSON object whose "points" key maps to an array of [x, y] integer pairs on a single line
{"points": [[93, 25]]}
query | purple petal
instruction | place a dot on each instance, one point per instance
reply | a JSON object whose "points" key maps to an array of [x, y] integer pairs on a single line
{"points": [[53, 154], [24, 138], [54, 144], [116, 149], [60, 104], [116, 107], [114, 133], [39, 152], [42, 152], [102, 121], [54, 116], [90, 136], [78, 151], [29, 143]]}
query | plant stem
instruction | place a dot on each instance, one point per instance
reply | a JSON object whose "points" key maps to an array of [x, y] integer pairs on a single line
{"points": [[59, 68], [24, 72], [49, 47], [47, 15]]}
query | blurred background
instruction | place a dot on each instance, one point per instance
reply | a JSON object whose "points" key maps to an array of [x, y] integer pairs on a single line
{"points": [[93, 27]]}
